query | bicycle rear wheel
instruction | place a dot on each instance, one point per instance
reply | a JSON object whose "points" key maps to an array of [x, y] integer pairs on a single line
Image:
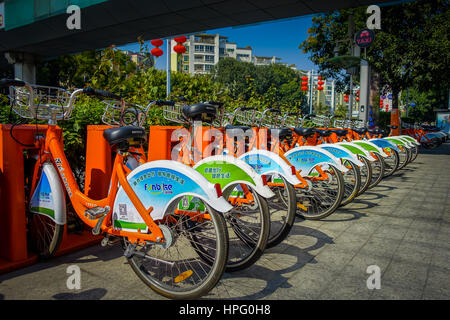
{"points": [[282, 209], [391, 163], [192, 259], [403, 157], [323, 198], [377, 170], [415, 152], [248, 226], [352, 182], [366, 175]]}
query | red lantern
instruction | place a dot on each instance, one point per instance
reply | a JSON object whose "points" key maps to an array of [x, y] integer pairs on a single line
{"points": [[304, 88], [357, 99], [181, 39], [179, 48], [304, 78], [319, 77], [320, 83], [320, 88], [157, 42], [304, 83], [157, 52]]}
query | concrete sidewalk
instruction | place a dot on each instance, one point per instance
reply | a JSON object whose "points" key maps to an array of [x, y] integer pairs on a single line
{"points": [[402, 226]]}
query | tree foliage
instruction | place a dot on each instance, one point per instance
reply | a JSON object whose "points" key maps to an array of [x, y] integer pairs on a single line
{"points": [[412, 49]]}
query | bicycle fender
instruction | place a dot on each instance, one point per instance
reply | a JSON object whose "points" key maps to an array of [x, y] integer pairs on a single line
{"points": [[395, 141], [410, 139], [370, 146], [341, 153], [228, 170], [357, 150], [267, 162], [408, 143], [49, 196], [305, 158], [383, 143], [157, 184]]}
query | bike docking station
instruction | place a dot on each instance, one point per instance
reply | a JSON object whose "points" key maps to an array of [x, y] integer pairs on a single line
{"points": [[15, 250]]}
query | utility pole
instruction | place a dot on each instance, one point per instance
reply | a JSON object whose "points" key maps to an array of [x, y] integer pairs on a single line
{"points": [[168, 64]]}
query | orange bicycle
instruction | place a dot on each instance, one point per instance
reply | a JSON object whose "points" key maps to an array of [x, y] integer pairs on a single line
{"points": [[168, 216]]}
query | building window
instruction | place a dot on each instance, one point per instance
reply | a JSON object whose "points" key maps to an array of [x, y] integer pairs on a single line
{"points": [[198, 67], [221, 51], [186, 68], [209, 49], [230, 50], [208, 67], [199, 48], [209, 58], [186, 58]]}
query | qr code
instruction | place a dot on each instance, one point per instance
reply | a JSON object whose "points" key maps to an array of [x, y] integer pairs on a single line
{"points": [[122, 209]]}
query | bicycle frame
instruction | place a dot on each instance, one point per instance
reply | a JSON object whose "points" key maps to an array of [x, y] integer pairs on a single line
{"points": [[53, 151]]}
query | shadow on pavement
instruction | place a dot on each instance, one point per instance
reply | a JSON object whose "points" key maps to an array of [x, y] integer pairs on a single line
{"points": [[262, 272], [92, 294]]}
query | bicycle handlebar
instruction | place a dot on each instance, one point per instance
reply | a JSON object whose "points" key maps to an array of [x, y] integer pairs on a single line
{"points": [[11, 82], [100, 93], [164, 103], [216, 103], [247, 108]]}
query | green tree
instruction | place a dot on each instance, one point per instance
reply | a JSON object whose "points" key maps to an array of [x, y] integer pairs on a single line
{"points": [[411, 49]]}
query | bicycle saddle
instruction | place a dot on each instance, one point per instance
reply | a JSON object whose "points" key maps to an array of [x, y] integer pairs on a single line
{"points": [[116, 136], [360, 130], [375, 131], [323, 132], [200, 111], [282, 133], [339, 132], [231, 127], [304, 132]]}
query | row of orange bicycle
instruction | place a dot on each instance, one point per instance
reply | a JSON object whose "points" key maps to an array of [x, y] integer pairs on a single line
{"points": [[211, 207]]}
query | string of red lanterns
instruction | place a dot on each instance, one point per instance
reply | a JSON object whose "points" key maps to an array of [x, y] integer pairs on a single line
{"points": [[157, 52], [179, 47], [304, 83]]}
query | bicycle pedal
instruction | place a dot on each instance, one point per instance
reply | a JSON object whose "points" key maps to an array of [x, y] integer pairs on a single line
{"points": [[106, 241], [96, 212], [129, 251]]}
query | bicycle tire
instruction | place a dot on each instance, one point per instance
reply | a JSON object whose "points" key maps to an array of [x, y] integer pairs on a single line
{"points": [[279, 231], [351, 188], [391, 163], [44, 235], [403, 158], [314, 197], [247, 238], [184, 236], [415, 153], [366, 175], [377, 170]]}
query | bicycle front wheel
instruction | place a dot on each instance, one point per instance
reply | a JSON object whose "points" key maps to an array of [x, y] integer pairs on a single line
{"points": [[191, 260]]}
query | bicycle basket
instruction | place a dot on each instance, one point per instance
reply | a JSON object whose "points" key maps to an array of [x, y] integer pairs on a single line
{"points": [[174, 113], [123, 114], [48, 102], [292, 122], [247, 117], [270, 120]]}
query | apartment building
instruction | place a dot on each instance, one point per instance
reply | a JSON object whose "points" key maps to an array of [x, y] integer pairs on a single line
{"points": [[203, 51]]}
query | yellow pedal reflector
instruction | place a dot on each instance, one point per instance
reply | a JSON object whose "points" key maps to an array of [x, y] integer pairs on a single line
{"points": [[183, 276], [302, 206]]}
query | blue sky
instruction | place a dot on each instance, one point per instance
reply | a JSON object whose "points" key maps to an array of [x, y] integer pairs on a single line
{"points": [[279, 38]]}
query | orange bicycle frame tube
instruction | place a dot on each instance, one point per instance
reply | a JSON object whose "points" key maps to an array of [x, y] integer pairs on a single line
{"points": [[81, 202]]}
